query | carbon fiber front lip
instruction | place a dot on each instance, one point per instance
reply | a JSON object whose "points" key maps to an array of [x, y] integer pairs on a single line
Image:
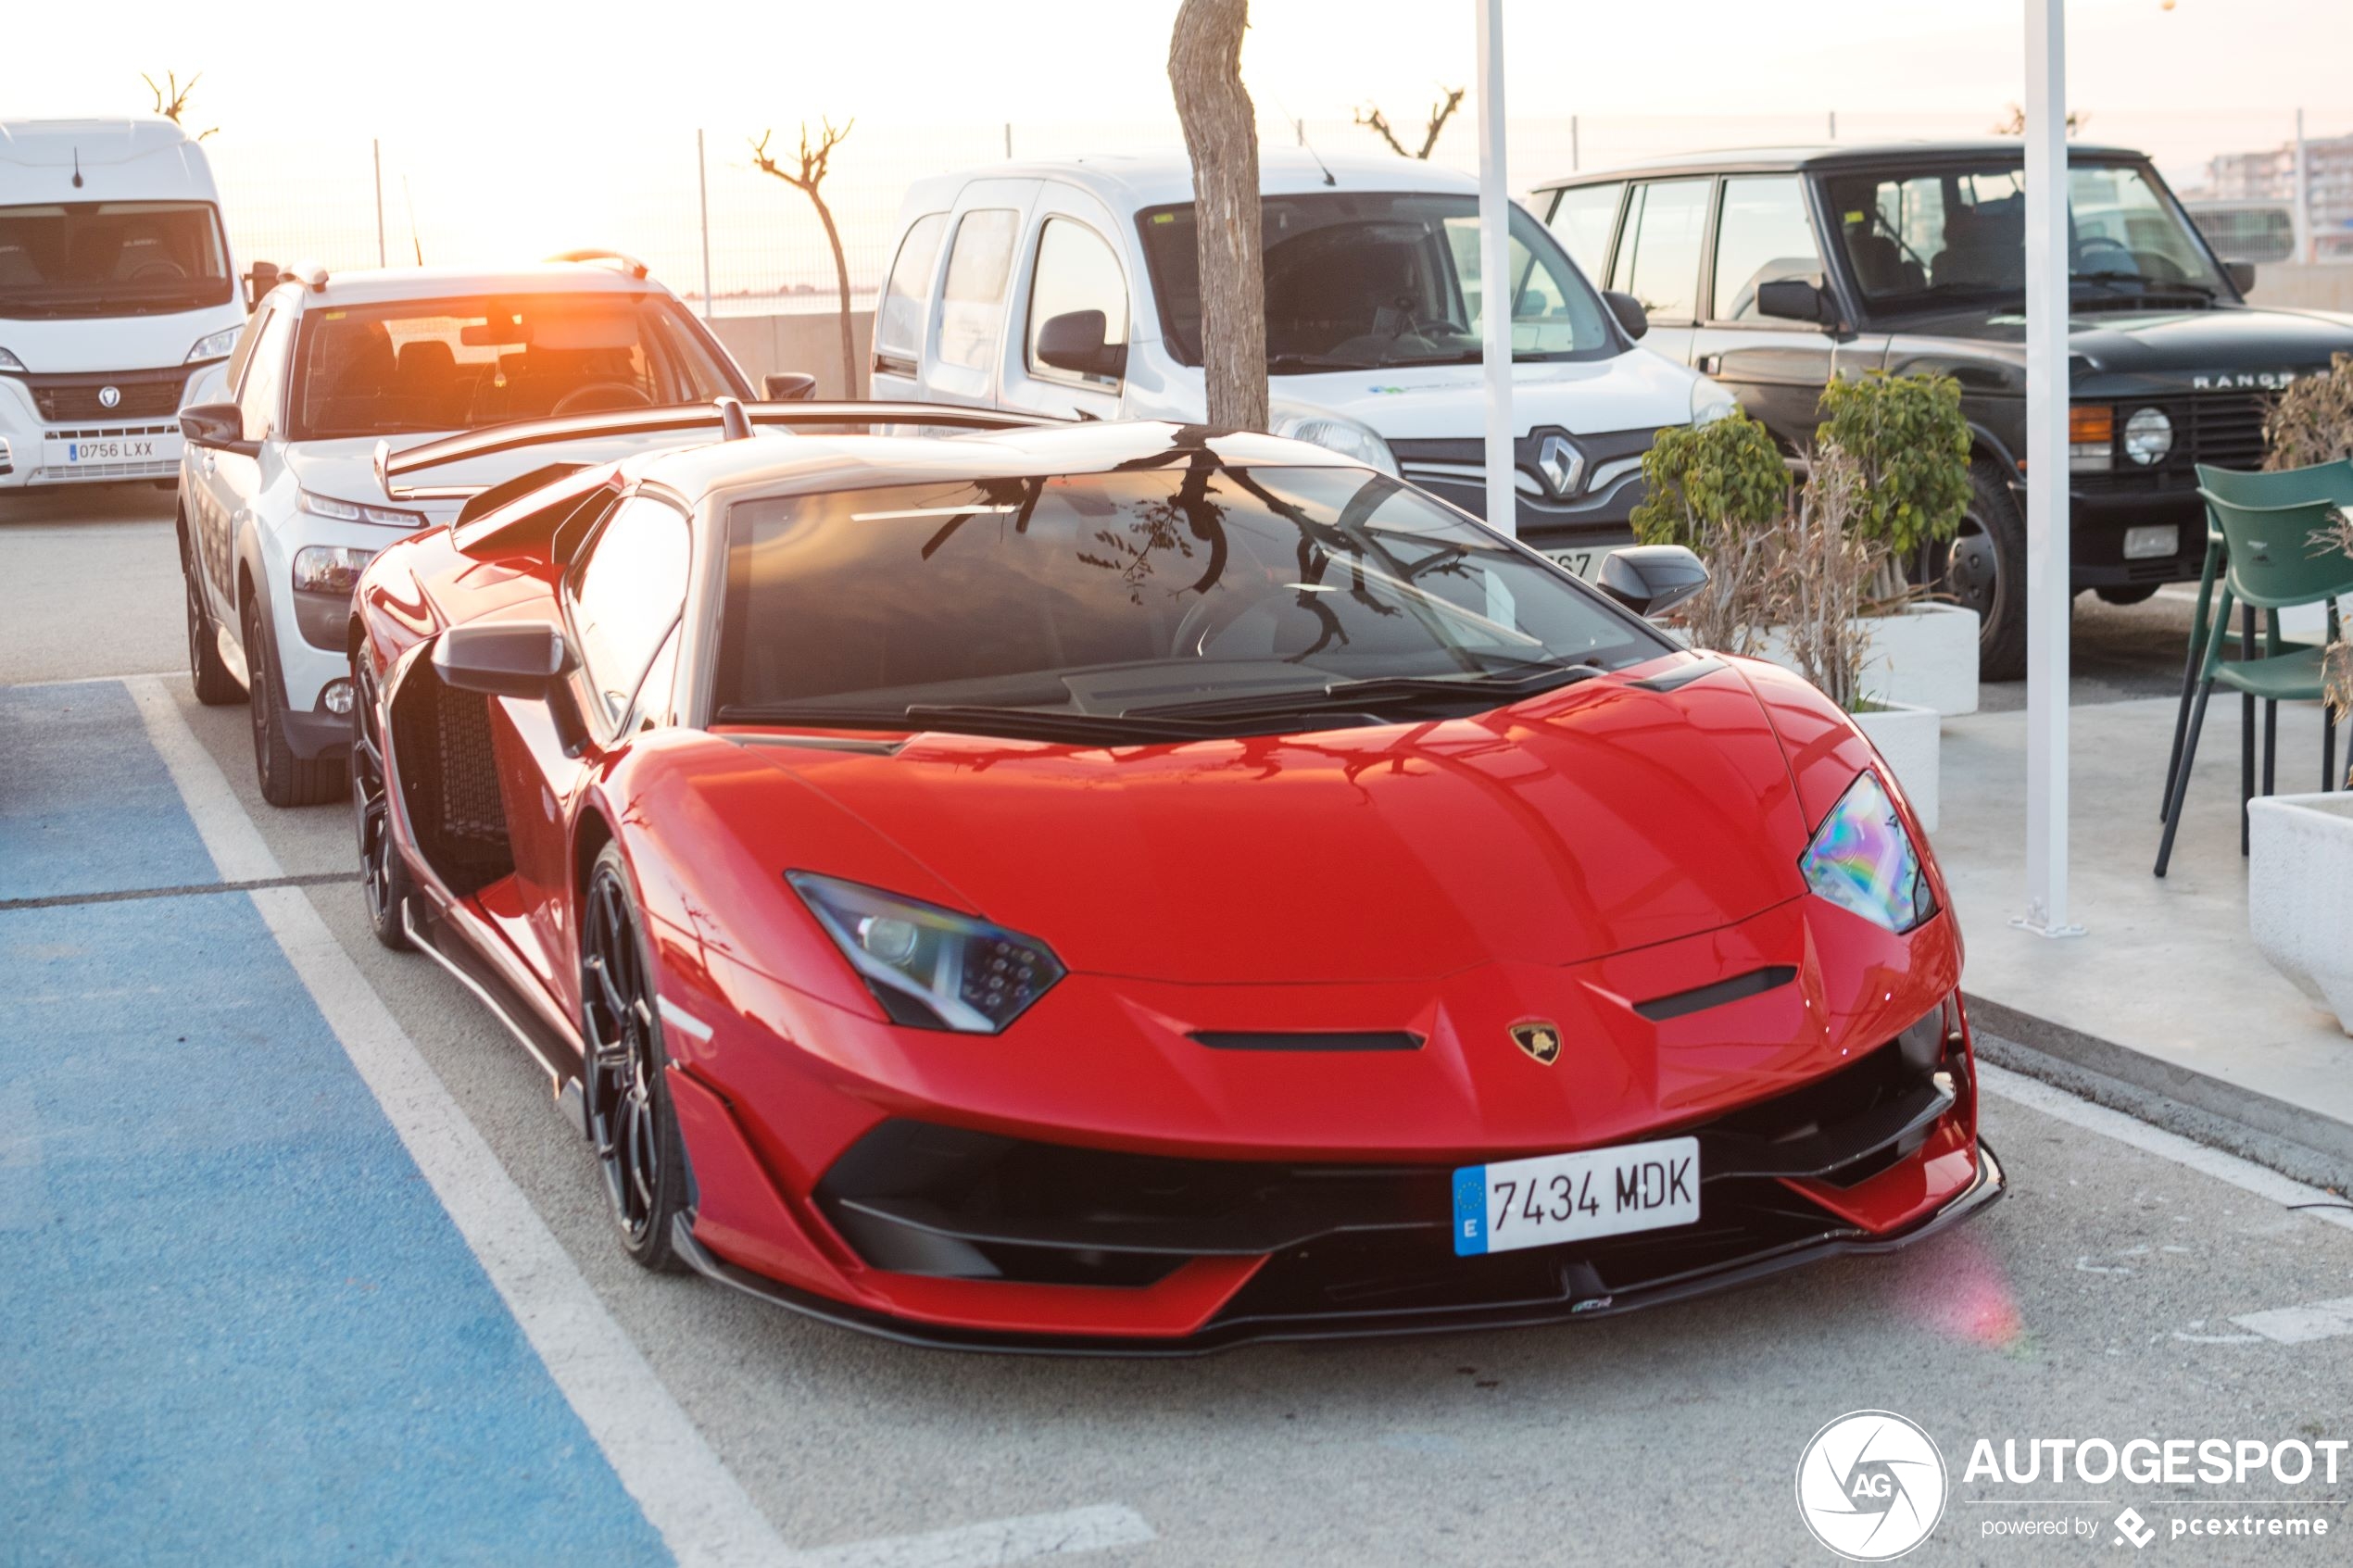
{"points": [[1225, 1334]]}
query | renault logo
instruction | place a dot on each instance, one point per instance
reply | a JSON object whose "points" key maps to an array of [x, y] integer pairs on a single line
{"points": [[109, 396], [1561, 464], [1539, 1037]]}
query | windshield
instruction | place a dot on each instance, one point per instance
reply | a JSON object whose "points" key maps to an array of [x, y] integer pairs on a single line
{"points": [[416, 366], [1356, 280], [111, 259], [1139, 594], [1911, 238]]}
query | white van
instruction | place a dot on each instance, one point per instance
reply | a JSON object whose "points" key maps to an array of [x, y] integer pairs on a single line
{"points": [[1073, 288], [115, 287]]}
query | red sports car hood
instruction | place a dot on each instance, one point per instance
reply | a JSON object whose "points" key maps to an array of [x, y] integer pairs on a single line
{"points": [[1602, 817]]}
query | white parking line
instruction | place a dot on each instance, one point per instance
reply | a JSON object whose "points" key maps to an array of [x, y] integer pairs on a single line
{"points": [[2245, 1174], [988, 1546], [688, 1494]]}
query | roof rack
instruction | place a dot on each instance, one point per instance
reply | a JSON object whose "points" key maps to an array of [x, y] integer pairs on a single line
{"points": [[309, 274], [620, 259], [725, 417]]}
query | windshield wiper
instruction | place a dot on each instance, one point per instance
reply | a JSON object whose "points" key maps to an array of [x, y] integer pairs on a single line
{"points": [[1491, 689], [1280, 362], [972, 718]]}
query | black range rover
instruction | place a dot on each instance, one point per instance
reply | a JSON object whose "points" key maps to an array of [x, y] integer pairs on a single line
{"points": [[1772, 270]]}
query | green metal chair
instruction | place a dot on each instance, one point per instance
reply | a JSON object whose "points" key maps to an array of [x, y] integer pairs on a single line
{"points": [[2320, 482], [2269, 564]]}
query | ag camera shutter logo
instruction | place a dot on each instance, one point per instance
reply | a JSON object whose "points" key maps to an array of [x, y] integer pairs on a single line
{"points": [[1870, 1485]]}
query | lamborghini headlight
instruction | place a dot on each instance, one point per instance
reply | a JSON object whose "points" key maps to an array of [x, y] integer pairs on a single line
{"points": [[1862, 860], [929, 967]]}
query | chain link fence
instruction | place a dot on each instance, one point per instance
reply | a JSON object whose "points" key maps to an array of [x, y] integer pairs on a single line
{"points": [[672, 196]]}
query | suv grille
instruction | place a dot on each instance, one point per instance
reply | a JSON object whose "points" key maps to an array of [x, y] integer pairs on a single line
{"points": [[2220, 429], [144, 394]]}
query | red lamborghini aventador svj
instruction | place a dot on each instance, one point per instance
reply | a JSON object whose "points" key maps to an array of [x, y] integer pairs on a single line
{"points": [[1132, 888]]}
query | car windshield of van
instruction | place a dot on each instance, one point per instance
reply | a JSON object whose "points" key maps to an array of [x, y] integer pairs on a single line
{"points": [[1359, 280], [1928, 237], [1188, 597], [111, 259], [460, 364]]}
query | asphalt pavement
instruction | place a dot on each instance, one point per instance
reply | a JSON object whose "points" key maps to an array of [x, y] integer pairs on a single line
{"points": [[300, 1264]]}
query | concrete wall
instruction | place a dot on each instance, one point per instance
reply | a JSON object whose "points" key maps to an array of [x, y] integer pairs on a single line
{"points": [[810, 342], [2304, 287]]}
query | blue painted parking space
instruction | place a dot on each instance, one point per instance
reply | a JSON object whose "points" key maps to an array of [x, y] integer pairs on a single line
{"points": [[236, 1323]]}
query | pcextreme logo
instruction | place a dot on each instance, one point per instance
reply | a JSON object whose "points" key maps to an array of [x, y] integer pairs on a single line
{"points": [[1870, 1485]]}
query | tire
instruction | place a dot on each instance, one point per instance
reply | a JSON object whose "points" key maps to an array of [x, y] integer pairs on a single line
{"points": [[385, 883], [1985, 570], [2130, 594], [626, 1087], [216, 687], [286, 780]]}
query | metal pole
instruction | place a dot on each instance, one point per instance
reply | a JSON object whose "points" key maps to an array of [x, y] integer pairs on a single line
{"points": [[702, 192], [2303, 203], [1833, 125], [1301, 127], [1573, 148], [2048, 595], [1009, 140], [1495, 268], [378, 146]]}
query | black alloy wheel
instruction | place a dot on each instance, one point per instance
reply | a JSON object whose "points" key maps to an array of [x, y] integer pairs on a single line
{"points": [[630, 1120], [384, 875], [1985, 571]]}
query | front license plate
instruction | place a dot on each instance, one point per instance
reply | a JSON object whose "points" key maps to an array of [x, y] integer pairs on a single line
{"points": [[114, 449], [1585, 562], [1557, 1198]]}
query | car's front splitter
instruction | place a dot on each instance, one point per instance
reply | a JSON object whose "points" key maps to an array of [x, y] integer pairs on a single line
{"points": [[1226, 1332]]}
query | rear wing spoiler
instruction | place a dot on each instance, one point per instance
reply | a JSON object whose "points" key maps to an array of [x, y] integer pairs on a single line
{"points": [[722, 419]]}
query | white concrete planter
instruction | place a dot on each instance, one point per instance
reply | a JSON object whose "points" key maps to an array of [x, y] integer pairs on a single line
{"points": [[1909, 740], [2299, 856], [1923, 656]]}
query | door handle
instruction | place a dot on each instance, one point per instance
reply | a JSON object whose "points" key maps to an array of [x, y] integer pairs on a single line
{"points": [[1711, 364]]}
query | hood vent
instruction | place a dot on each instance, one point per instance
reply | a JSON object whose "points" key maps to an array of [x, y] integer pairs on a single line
{"points": [[1309, 1040], [1755, 983]]}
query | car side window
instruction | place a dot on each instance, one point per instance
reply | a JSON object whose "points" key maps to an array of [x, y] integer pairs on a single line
{"points": [[652, 708], [1582, 219], [1076, 271], [971, 313], [626, 593], [266, 376], [235, 369], [1658, 258], [898, 320], [1762, 236]]}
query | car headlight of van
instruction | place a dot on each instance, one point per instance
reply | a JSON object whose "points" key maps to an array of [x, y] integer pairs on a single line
{"points": [[12, 366], [353, 511], [329, 569], [1710, 401], [1862, 860], [929, 967], [213, 345], [1337, 433]]}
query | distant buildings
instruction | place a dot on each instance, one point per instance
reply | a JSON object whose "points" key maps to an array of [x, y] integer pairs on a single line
{"points": [[2269, 176]]}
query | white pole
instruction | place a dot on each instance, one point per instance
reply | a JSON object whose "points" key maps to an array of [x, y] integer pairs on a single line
{"points": [[2048, 595], [2303, 204], [378, 147], [702, 193], [1495, 268]]}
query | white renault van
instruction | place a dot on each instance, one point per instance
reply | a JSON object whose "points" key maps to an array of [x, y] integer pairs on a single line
{"points": [[116, 286], [1073, 288]]}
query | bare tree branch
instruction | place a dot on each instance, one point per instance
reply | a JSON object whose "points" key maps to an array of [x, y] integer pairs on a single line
{"points": [[807, 175], [1371, 119]]}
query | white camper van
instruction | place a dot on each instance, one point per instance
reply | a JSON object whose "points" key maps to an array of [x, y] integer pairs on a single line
{"points": [[115, 287]]}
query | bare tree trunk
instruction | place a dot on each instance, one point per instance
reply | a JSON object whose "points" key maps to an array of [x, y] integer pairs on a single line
{"points": [[841, 282], [1221, 133]]}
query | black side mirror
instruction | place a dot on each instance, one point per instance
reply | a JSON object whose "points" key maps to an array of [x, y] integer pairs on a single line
{"points": [[1794, 299], [1629, 311], [261, 281], [529, 659], [787, 386], [1074, 341], [2241, 273], [217, 425], [1650, 580]]}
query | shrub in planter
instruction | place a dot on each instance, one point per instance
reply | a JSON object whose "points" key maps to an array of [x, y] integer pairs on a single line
{"points": [[2311, 421], [1909, 442]]}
